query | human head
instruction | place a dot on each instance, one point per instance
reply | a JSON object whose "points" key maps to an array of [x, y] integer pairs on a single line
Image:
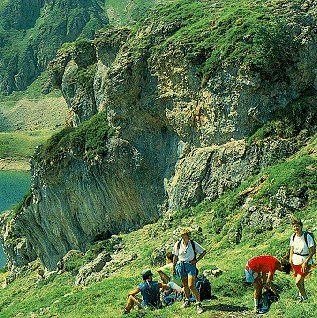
{"points": [[185, 231], [297, 221], [286, 266], [146, 273]]}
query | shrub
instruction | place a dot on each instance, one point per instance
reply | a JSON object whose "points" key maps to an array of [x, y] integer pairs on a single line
{"points": [[87, 141]]}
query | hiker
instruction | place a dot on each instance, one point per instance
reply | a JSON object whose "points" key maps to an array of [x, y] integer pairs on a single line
{"points": [[184, 264], [150, 291], [165, 272], [302, 249], [256, 271]]}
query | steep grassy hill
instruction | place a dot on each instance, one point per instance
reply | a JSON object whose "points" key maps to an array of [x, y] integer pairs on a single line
{"points": [[213, 224]]}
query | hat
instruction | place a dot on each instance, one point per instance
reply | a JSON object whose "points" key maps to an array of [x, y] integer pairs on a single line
{"points": [[185, 231], [146, 272]]}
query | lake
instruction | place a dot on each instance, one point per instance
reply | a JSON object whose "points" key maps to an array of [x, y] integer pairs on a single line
{"points": [[13, 186]]}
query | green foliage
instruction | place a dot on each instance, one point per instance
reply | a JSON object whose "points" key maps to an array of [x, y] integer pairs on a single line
{"points": [[214, 35], [27, 198], [88, 141], [290, 121]]}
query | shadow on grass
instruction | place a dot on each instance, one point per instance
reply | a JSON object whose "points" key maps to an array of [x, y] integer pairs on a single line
{"points": [[226, 308]]}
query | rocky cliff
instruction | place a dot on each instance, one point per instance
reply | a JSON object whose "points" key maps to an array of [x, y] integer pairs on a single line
{"points": [[32, 31], [159, 123]]}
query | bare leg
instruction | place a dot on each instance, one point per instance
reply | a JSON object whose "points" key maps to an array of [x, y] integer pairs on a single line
{"points": [[192, 287], [131, 302], [300, 285], [186, 288]]}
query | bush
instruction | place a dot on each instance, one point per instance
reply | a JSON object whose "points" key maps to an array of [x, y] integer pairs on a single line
{"points": [[88, 141]]}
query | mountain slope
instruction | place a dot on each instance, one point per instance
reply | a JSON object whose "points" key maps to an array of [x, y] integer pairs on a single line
{"points": [[32, 31]]}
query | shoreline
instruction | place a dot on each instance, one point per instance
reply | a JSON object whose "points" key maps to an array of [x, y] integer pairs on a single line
{"points": [[10, 164]]}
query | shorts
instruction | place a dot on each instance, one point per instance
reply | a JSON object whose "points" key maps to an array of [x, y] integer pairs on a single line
{"points": [[250, 276], [184, 269], [299, 271]]}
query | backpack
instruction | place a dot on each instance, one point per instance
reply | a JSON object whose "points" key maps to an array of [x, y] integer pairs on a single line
{"points": [[204, 288], [192, 243], [306, 240]]}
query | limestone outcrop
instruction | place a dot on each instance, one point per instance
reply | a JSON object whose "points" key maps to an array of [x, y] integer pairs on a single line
{"points": [[175, 140]]}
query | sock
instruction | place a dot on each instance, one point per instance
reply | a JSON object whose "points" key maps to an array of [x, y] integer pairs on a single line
{"points": [[256, 303]]}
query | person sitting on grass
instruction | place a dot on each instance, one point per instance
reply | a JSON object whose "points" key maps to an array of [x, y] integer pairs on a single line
{"points": [[260, 271], [167, 276], [150, 291]]}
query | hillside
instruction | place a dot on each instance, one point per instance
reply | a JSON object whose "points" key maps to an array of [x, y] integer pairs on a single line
{"points": [[32, 31], [201, 113], [102, 292]]}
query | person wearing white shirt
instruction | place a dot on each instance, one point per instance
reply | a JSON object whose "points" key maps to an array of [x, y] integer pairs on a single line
{"points": [[184, 264], [301, 253]]}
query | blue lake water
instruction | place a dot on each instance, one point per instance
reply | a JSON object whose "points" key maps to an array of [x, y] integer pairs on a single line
{"points": [[13, 186]]}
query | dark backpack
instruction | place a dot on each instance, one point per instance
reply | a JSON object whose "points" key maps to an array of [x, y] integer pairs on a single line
{"points": [[306, 240], [204, 288]]}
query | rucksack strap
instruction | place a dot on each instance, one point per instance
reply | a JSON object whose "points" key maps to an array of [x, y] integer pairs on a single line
{"points": [[193, 247]]}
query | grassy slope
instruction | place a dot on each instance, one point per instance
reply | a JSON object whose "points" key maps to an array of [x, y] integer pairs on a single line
{"points": [[28, 119], [59, 297]]}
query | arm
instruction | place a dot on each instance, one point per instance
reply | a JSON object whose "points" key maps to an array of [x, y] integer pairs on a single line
{"points": [[311, 254], [291, 255], [175, 258], [163, 286], [134, 292], [194, 261], [269, 283]]}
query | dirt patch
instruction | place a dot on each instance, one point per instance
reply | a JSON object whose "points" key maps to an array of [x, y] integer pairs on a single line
{"points": [[12, 164]]}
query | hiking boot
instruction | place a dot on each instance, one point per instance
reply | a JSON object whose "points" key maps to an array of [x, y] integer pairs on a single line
{"points": [[300, 299], [186, 303], [125, 311], [200, 308], [256, 310]]}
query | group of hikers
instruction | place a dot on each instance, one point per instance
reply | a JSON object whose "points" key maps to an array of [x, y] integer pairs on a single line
{"points": [[181, 270]]}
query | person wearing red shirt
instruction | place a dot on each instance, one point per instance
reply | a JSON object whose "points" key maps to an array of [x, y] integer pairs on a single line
{"points": [[260, 271]]}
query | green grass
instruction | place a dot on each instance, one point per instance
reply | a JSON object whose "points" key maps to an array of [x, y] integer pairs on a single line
{"points": [[217, 34], [21, 144]]}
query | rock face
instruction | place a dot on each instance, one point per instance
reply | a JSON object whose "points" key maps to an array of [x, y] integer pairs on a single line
{"points": [[32, 31], [175, 140]]}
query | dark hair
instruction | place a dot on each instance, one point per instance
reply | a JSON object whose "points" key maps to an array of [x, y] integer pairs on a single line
{"points": [[287, 266], [169, 256], [297, 221]]}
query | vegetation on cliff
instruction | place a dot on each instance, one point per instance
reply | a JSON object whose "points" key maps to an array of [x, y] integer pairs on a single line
{"points": [[216, 225], [265, 37], [87, 141]]}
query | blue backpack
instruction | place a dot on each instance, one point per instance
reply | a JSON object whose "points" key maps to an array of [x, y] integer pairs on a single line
{"points": [[150, 292]]}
